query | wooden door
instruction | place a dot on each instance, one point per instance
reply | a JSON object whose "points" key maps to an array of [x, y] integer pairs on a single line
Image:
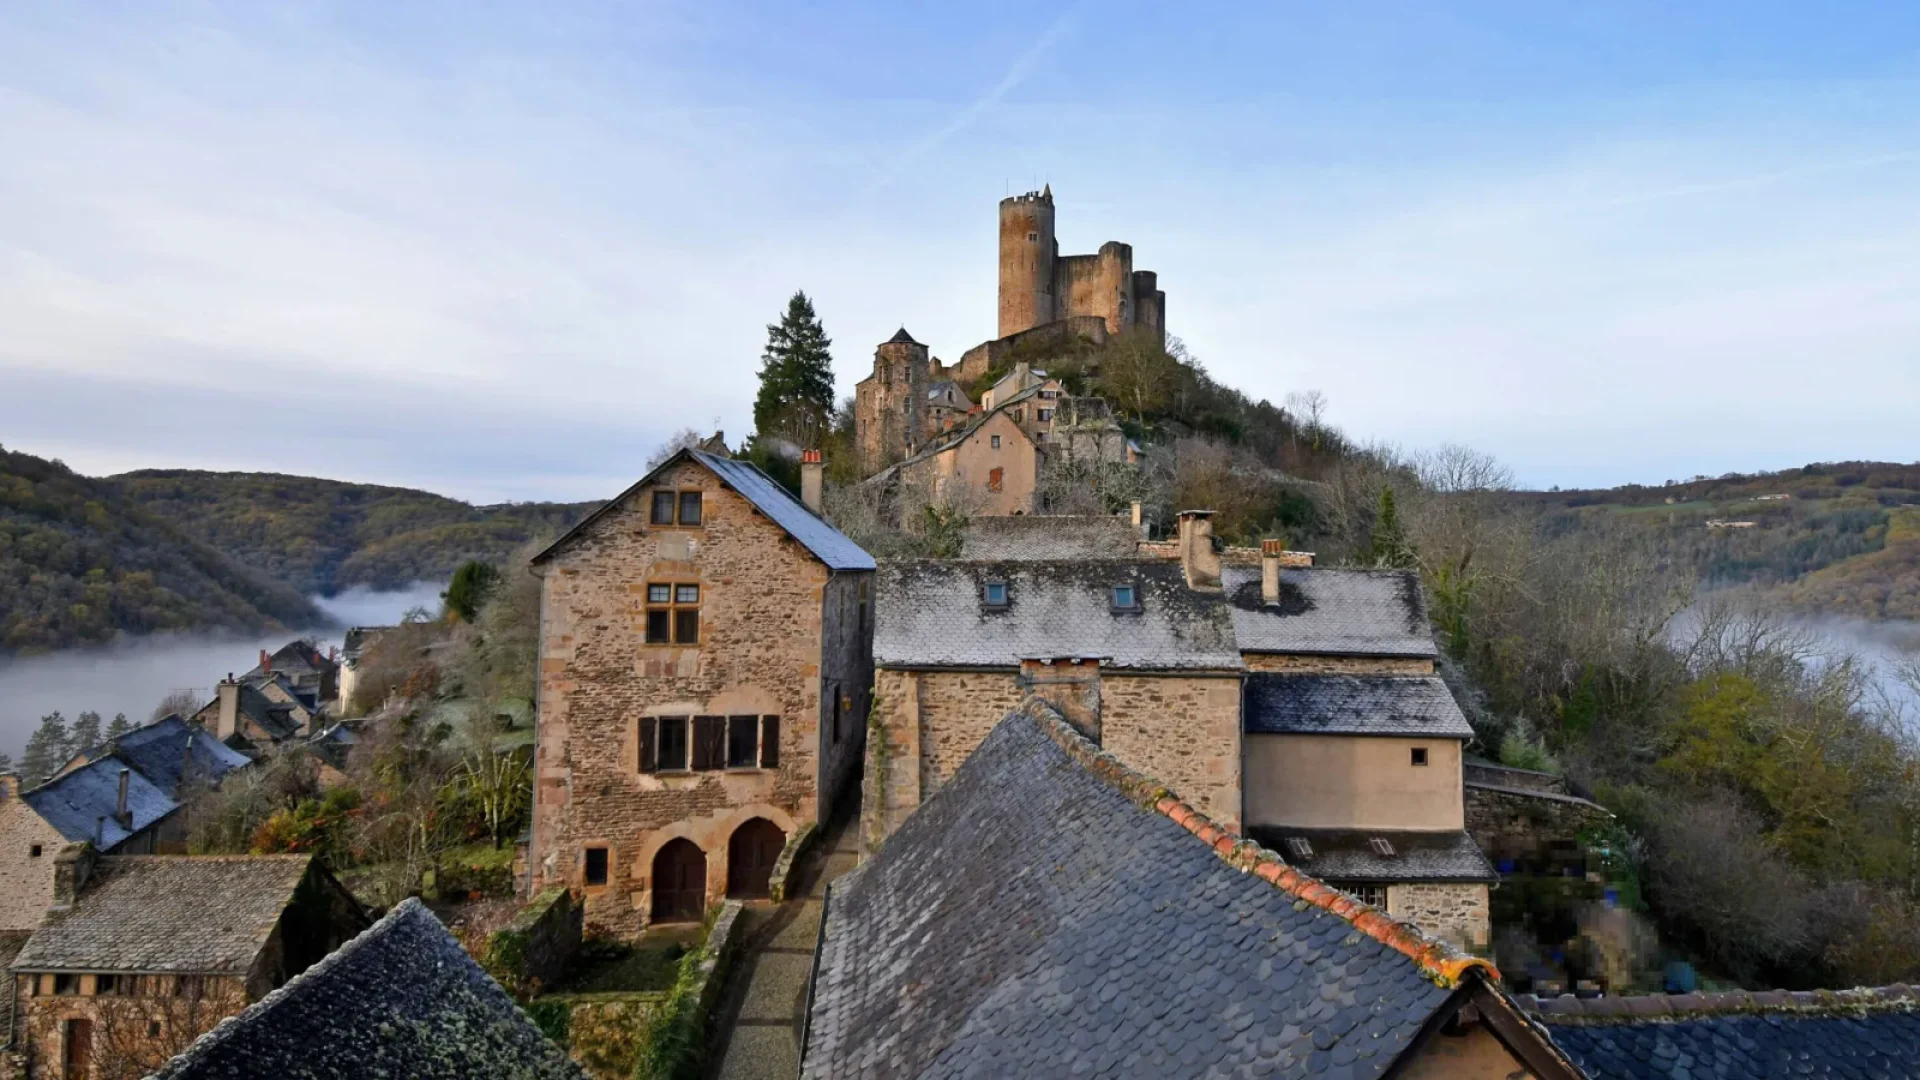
{"points": [[755, 847], [679, 882], [79, 1050]]}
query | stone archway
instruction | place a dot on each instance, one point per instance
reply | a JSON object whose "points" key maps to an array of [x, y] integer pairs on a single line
{"points": [[679, 882], [751, 852]]}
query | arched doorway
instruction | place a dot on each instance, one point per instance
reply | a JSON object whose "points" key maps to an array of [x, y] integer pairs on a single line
{"points": [[755, 847], [679, 882]]}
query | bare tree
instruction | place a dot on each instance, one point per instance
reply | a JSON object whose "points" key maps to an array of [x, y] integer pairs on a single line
{"points": [[1309, 408], [185, 701], [680, 440], [151, 1019], [1137, 372]]}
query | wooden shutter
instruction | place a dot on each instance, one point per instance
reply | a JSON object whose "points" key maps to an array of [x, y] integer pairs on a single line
{"points": [[709, 742], [649, 745], [769, 742]]}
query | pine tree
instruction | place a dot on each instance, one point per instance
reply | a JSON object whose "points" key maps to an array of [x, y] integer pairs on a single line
{"points": [[120, 726], [86, 732], [796, 377], [1388, 545], [47, 749], [6, 763]]}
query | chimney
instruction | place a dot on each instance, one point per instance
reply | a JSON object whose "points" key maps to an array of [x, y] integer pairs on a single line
{"points": [[1071, 685], [229, 720], [266, 662], [1139, 521], [1270, 553], [1197, 557], [9, 786], [120, 813], [813, 475], [70, 871]]}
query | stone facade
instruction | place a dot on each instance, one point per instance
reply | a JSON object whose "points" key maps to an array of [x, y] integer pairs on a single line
{"points": [[27, 849], [130, 1029], [1039, 286], [992, 471], [780, 635], [1520, 823], [1453, 912]]}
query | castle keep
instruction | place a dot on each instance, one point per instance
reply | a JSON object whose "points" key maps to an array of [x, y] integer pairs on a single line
{"points": [[1039, 286]]}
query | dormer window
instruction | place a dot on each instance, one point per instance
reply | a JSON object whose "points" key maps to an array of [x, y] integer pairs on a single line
{"points": [[993, 594], [1125, 598]]}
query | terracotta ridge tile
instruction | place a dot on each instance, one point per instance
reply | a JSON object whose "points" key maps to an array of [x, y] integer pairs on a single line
{"points": [[1438, 961]]}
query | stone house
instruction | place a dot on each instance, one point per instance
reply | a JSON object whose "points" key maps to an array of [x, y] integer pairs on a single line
{"points": [[1056, 912], [141, 954], [1296, 703], [252, 713], [353, 648], [705, 665], [308, 672], [104, 803]]}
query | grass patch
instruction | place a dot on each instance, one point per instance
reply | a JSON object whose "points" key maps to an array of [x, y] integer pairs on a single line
{"points": [[606, 965]]}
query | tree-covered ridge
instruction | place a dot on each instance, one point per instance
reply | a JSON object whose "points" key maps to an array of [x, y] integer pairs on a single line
{"points": [[323, 536], [80, 564]]}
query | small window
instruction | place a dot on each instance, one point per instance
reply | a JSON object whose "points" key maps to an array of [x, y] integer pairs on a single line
{"points": [[1125, 598], [1381, 846], [33, 852], [995, 479], [1374, 896], [662, 508], [153, 1029], [709, 743], [596, 866], [689, 508], [1299, 848], [1419, 755], [1033, 238], [686, 626], [769, 742], [994, 594], [1043, 415], [187, 986], [106, 985], [66, 982], [663, 744], [743, 742], [673, 614], [996, 442], [836, 714]]}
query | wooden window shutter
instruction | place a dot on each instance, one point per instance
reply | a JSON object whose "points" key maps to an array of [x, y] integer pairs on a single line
{"points": [[649, 745], [769, 742], [709, 742]]}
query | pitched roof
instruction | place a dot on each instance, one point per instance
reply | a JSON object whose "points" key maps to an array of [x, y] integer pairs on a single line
{"points": [[1358, 855], [83, 804], [928, 613], [173, 754], [1411, 705], [274, 717], [1331, 612], [1031, 537], [357, 640], [900, 337], [149, 913], [1050, 911], [1824, 1033], [828, 544], [401, 999]]}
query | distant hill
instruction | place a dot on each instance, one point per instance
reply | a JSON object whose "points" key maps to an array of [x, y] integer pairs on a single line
{"points": [[80, 564], [1845, 540], [324, 536]]}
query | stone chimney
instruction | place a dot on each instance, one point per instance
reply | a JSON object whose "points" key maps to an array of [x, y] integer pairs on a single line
{"points": [[120, 812], [1197, 557], [1069, 684], [228, 721], [266, 662], [813, 477], [1271, 552], [70, 870], [9, 786], [1139, 521]]}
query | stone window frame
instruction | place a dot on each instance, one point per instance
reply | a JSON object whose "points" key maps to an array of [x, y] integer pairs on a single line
{"points": [[673, 600], [670, 506], [709, 742]]}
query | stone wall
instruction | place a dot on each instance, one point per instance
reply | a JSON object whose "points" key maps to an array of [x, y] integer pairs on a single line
{"points": [[26, 880], [534, 948], [1452, 912], [1517, 823], [1183, 731], [125, 1040], [763, 621]]}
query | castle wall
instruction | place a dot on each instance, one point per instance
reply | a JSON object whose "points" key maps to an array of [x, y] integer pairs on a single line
{"points": [[1027, 251]]}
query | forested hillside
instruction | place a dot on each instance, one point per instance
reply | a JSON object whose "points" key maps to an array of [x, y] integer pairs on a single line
{"points": [[1840, 539], [81, 564], [323, 536]]}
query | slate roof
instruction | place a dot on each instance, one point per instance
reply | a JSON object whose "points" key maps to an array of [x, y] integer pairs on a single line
{"points": [[158, 913], [274, 717], [828, 544], [1410, 705], [1349, 855], [1845, 1035], [76, 802], [357, 640], [928, 613], [1331, 612], [1051, 913], [160, 752], [1031, 537], [901, 337], [400, 1000]]}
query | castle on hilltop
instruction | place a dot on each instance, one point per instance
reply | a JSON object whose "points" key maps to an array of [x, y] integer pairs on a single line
{"points": [[912, 399]]}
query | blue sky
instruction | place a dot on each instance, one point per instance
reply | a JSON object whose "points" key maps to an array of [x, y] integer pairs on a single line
{"points": [[502, 253]]}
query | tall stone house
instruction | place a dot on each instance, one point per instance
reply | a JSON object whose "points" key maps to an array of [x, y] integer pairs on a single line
{"points": [[141, 954], [1297, 704], [704, 672]]}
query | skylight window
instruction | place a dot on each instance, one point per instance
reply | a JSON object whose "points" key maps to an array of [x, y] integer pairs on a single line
{"points": [[1298, 847], [994, 594], [1381, 846], [1126, 598]]}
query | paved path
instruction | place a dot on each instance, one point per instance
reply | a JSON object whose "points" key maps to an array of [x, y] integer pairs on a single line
{"points": [[757, 1032]]}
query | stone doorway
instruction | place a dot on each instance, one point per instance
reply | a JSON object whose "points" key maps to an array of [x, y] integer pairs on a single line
{"points": [[751, 853], [679, 882], [79, 1048]]}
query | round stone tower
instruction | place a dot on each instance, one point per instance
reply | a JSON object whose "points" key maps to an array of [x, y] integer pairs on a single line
{"points": [[1027, 251]]}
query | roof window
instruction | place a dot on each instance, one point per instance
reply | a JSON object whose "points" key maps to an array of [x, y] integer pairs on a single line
{"points": [[993, 594], [1381, 846], [1298, 847], [1125, 598]]}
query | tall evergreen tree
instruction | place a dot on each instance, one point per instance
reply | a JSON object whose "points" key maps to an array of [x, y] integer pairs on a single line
{"points": [[120, 726], [86, 732], [47, 749], [796, 377], [1387, 546]]}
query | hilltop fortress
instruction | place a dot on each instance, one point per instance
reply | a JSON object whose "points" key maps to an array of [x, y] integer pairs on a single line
{"points": [[912, 398]]}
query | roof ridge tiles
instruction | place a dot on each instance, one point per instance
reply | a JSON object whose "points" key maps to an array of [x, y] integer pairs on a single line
{"points": [[1440, 962], [1643, 1008]]}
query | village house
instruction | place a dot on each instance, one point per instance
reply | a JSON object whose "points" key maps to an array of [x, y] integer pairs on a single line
{"points": [[255, 712], [1296, 703], [138, 955], [352, 650], [1054, 912], [402, 999], [705, 665], [313, 676]]}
